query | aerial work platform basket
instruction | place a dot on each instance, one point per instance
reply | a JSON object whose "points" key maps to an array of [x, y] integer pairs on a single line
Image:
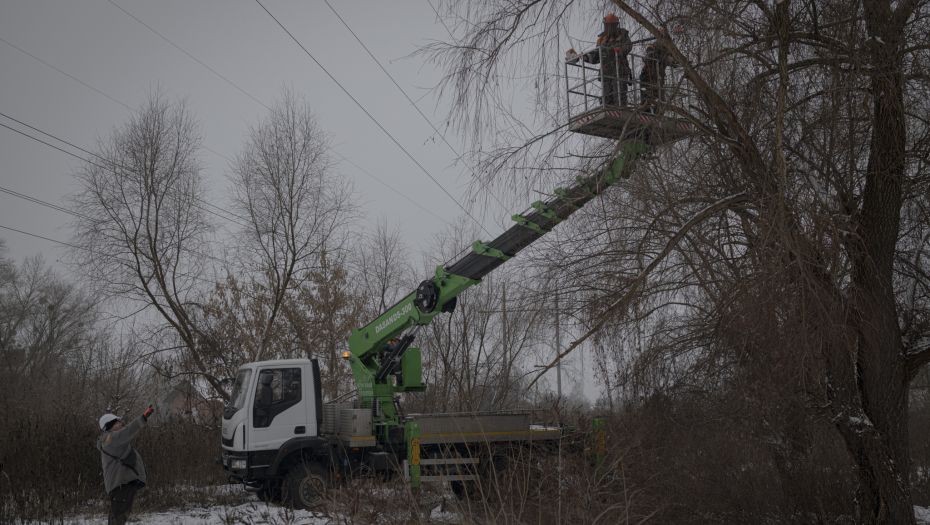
{"points": [[611, 102]]}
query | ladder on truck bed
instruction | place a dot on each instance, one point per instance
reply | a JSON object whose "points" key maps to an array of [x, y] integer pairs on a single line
{"points": [[444, 442]]}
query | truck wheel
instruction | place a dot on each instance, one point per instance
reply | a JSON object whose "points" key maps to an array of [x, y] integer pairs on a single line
{"points": [[304, 485]]}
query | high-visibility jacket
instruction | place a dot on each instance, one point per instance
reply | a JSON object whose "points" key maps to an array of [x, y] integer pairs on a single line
{"points": [[611, 53]]}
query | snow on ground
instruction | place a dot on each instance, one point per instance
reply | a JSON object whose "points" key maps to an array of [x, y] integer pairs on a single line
{"points": [[262, 514], [225, 505], [247, 514]]}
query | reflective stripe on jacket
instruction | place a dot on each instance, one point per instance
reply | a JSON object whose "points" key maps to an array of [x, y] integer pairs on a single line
{"points": [[117, 444], [611, 53]]}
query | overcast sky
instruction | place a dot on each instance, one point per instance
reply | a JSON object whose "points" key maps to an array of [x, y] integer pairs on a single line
{"points": [[70, 69], [120, 59]]}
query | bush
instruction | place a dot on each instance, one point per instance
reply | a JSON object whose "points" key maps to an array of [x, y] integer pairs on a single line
{"points": [[52, 469]]}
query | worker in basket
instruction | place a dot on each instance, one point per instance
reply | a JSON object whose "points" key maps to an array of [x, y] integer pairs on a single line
{"points": [[613, 46], [652, 76]]}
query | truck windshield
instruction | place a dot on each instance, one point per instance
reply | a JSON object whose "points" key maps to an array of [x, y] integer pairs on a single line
{"points": [[240, 390]]}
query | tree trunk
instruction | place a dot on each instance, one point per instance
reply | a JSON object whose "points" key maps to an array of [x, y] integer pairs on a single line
{"points": [[881, 452]]}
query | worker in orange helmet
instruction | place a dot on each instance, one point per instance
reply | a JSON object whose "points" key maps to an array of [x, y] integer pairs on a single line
{"points": [[652, 76], [613, 46]]}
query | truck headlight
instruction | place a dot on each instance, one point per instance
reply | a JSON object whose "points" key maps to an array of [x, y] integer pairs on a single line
{"points": [[237, 464]]}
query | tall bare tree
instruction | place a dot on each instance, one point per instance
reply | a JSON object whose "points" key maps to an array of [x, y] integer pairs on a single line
{"points": [[297, 205], [784, 232], [141, 233]]}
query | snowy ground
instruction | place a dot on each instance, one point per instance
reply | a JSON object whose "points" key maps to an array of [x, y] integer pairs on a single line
{"points": [[228, 505], [246, 514], [259, 513]]}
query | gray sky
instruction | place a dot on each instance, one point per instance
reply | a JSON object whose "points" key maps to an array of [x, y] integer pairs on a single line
{"points": [[100, 45]]}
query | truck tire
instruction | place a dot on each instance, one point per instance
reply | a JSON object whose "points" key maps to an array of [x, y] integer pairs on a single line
{"points": [[304, 485]]}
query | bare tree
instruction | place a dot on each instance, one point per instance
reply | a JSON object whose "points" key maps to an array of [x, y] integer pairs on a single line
{"points": [[382, 264], [788, 223], [297, 205], [142, 234], [314, 321], [46, 323]]}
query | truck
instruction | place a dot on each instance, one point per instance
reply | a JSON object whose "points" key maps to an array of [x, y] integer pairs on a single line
{"points": [[279, 438], [282, 442]]}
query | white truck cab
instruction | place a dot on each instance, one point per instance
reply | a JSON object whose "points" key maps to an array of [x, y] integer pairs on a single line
{"points": [[271, 428]]}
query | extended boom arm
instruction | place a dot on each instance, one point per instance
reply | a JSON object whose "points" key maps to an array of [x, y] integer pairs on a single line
{"points": [[378, 350]]}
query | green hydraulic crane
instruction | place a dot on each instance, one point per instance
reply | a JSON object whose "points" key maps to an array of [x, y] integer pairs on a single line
{"points": [[382, 359]]}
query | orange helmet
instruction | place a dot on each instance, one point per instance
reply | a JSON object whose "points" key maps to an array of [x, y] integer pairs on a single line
{"points": [[611, 18]]}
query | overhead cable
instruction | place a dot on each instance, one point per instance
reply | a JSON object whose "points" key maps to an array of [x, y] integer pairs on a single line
{"points": [[412, 103], [246, 93], [371, 117]]}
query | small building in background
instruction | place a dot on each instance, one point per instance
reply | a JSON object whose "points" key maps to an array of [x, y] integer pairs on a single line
{"points": [[184, 402]]}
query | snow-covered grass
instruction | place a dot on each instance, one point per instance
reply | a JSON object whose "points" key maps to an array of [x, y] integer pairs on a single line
{"points": [[228, 505], [360, 502], [245, 514], [256, 513]]}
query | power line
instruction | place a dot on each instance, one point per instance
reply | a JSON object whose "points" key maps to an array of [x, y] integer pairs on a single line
{"points": [[45, 238], [41, 202], [188, 54], [370, 116], [412, 103], [441, 21], [65, 74], [95, 252], [70, 212], [95, 155], [386, 185], [93, 88]]}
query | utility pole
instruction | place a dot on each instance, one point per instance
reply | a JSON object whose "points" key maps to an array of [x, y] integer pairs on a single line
{"points": [[558, 348]]}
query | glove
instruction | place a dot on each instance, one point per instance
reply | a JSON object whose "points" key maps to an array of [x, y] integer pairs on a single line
{"points": [[147, 413]]}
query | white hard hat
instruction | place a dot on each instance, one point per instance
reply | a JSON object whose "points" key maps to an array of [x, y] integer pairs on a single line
{"points": [[106, 418]]}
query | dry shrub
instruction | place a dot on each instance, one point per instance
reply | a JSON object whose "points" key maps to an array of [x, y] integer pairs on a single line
{"points": [[51, 468], [178, 456], [376, 501], [549, 483], [702, 460]]}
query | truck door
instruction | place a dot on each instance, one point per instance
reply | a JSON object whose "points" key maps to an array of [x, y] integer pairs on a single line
{"points": [[285, 416]]}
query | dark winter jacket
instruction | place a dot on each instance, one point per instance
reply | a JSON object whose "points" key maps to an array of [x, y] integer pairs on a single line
{"points": [[114, 446], [654, 63], [611, 53]]}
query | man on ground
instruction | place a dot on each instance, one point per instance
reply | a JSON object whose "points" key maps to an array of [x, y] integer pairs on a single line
{"points": [[123, 470]]}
